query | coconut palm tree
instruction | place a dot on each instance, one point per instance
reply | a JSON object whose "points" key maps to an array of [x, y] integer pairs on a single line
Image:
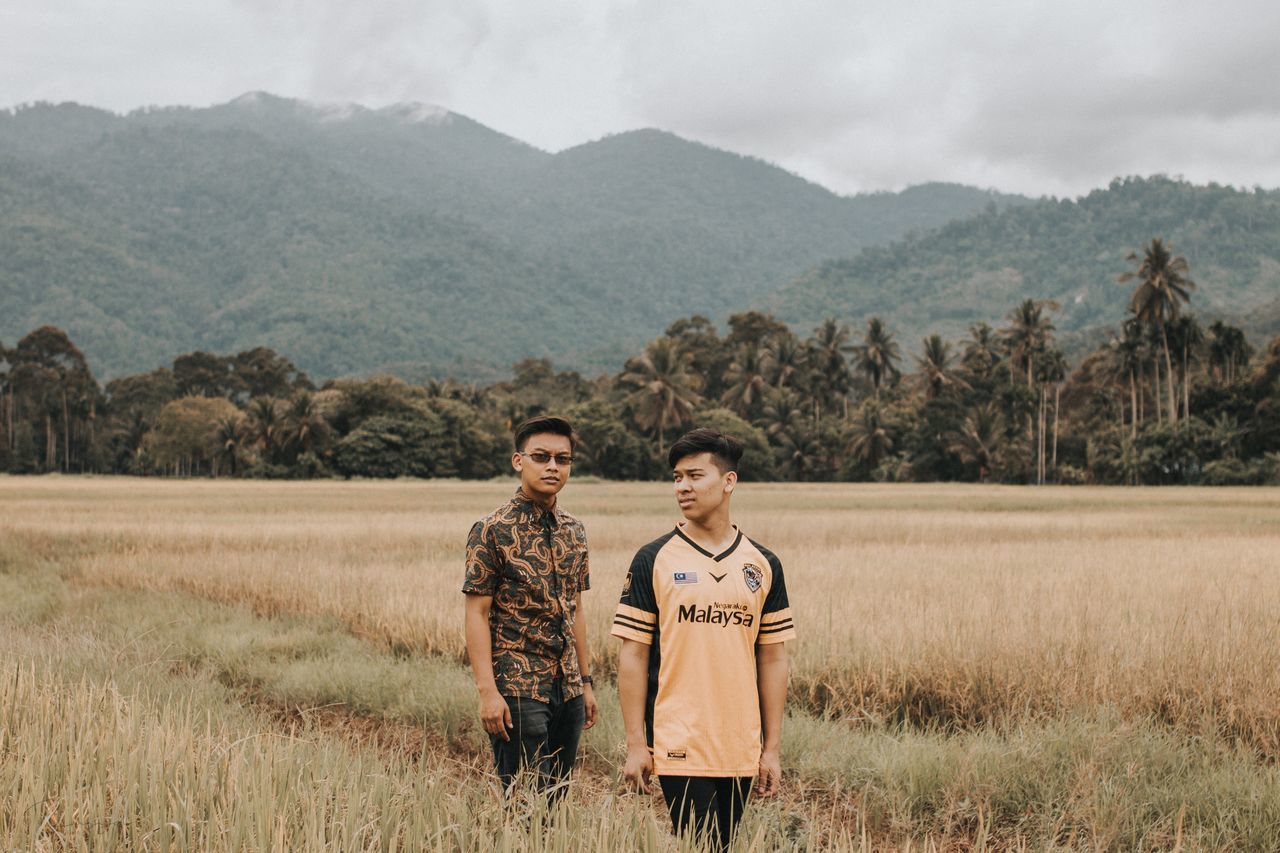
{"points": [[869, 439], [265, 431], [1186, 337], [982, 350], [747, 379], [227, 439], [1164, 285], [1027, 334], [977, 441], [934, 364], [1052, 370], [791, 432], [831, 377], [305, 429], [664, 387], [877, 357], [1229, 351]]}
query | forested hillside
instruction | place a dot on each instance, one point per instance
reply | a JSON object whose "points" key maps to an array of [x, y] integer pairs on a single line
{"points": [[1066, 251], [407, 238]]}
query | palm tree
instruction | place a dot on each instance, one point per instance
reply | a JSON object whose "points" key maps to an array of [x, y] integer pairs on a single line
{"points": [[265, 430], [305, 429], [981, 351], [791, 432], [1052, 370], [665, 387], [1164, 284], [228, 436], [977, 442], [831, 378], [746, 380], [1228, 351], [934, 363], [1121, 367], [788, 359], [1027, 334], [878, 355], [869, 440], [1187, 337]]}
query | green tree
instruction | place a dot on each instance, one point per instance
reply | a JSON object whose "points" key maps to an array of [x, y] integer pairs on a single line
{"points": [[869, 440], [1164, 285], [664, 388], [878, 355], [936, 373], [186, 437], [978, 440], [748, 379]]}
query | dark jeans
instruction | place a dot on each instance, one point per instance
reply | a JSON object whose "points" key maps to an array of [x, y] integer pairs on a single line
{"points": [[544, 741], [711, 804]]}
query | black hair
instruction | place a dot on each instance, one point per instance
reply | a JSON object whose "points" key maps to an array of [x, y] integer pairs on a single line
{"points": [[725, 450], [544, 423]]}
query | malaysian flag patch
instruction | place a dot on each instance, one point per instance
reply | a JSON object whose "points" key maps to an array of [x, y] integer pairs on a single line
{"points": [[685, 577]]}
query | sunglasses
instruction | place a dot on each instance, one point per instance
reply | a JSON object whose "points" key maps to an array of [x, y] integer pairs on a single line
{"points": [[542, 457]]}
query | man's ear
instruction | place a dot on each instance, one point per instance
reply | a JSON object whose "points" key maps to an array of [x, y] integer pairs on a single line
{"points": [[729, 480], [517, 461]]}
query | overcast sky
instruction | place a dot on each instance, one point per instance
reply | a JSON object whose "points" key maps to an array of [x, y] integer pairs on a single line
{"points": [[1040, 97]]}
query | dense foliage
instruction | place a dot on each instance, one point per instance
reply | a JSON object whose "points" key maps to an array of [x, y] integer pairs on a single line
{"points": [[1164, 401], [359, 241], [1062, 250]]}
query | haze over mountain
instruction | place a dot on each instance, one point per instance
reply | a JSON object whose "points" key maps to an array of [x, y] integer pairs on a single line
{"points": [[410, 237]]}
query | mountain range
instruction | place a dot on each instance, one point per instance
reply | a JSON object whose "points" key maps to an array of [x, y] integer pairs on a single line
{"points": [[407, 238], [414, 240]]}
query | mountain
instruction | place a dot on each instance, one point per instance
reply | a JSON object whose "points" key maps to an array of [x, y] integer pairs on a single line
{"points": [[1070, 251], [355, 239]]}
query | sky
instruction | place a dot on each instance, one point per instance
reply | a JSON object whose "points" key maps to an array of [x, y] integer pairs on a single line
{"points": [[1042, 98]]}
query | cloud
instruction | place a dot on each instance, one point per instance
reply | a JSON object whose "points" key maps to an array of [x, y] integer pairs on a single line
{"points": [[1033, 96]]}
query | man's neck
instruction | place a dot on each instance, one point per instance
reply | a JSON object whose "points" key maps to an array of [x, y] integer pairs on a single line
{"points": [[714, 534], [547, 503]]}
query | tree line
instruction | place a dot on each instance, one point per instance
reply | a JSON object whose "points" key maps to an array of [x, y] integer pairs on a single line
{"points": [[1165, 400]]}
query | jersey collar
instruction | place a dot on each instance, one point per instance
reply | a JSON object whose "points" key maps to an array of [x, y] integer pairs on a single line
{"points": [[704, 552]]}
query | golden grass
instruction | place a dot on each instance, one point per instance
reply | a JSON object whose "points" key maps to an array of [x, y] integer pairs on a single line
{"points": [[957, 606]]}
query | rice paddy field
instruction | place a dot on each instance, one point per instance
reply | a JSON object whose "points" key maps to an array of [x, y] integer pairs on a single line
{"points": [[196, 665]]}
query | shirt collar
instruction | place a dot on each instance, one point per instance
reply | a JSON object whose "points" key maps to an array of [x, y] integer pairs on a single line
{"points": [[525, 504]]}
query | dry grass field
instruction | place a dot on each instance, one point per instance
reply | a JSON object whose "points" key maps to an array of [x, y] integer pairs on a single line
{"points": [[977, 666]]}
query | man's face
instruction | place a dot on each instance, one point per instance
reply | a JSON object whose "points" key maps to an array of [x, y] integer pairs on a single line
{"points": [[700, 486], [543, 479]]}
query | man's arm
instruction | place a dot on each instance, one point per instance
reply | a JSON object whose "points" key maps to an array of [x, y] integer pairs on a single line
{"points": [[771, 680], [589, 705], [494, 713], [633, 687]]}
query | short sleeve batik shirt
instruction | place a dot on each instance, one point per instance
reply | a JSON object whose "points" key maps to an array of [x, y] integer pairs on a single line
{"points": [[534, 563]]}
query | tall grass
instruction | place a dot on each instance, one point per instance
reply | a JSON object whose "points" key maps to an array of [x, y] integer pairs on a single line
{"points": [[1075, 668]]}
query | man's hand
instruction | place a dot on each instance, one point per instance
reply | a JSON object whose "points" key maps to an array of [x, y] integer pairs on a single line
{"points": [[589, 706], [638, 769], [769, 780], [494, 714]]}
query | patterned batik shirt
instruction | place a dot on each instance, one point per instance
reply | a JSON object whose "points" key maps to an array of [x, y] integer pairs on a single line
{"points": [[534, 563]]}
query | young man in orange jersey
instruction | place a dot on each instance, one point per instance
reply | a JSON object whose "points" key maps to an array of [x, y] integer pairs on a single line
{"points": [[526, 571], [702, 674]]}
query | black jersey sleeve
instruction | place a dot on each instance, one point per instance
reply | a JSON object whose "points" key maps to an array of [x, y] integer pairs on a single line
{"points": [[637, 615], [776, 625]]}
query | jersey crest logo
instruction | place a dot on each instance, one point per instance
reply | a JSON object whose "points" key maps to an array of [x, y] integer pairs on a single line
{"points": [[685, 577], [753, 576]]}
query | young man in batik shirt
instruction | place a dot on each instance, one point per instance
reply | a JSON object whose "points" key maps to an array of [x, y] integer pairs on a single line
{"points": [[526, 571]]}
